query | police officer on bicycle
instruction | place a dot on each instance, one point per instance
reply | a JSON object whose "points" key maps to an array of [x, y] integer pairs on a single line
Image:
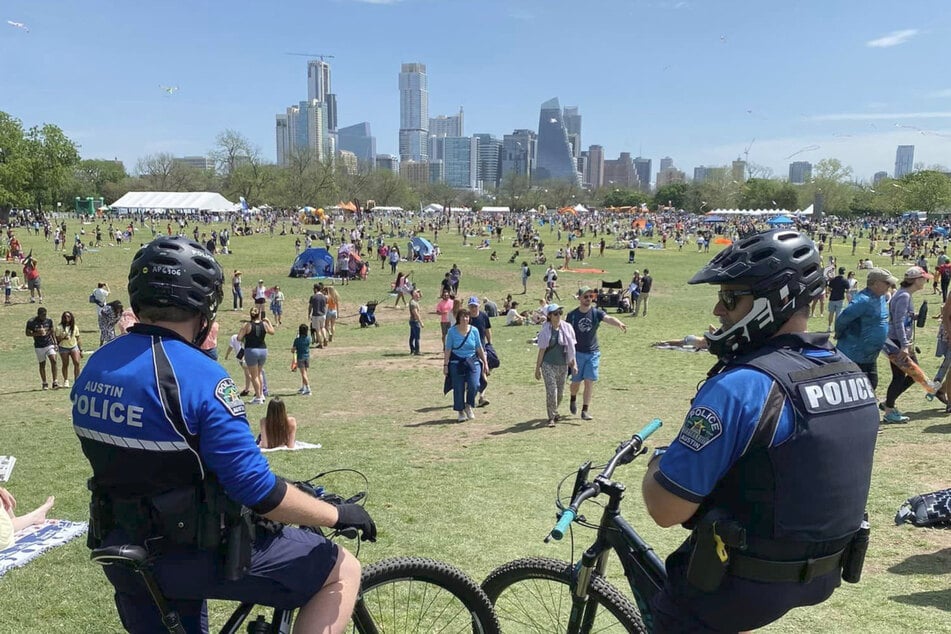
{"points": [[176, 469], [772, 467]]}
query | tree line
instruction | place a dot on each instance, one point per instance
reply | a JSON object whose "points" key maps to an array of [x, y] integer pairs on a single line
{"points": [[41, 166]]}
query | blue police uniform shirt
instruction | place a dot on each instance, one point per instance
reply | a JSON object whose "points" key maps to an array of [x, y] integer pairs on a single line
{"points": [[121, 400], [717, 430]]}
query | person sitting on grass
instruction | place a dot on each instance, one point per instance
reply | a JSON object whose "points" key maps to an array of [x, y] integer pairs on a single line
{"points": [[11, 523], [277, 428]]}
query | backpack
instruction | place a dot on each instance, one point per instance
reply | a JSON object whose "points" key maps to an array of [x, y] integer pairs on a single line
{"points": [[528, 272], [929, 509]]}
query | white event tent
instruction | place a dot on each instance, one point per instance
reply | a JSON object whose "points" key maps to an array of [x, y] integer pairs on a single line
{"points": [[808, 211], [180, 202]]}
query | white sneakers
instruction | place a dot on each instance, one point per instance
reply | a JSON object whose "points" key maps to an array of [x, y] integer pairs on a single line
{"points": [[462, 417], [469, 413]]}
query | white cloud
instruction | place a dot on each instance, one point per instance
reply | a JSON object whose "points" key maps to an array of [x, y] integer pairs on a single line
{"points": [[876, 116], [893, 39]]}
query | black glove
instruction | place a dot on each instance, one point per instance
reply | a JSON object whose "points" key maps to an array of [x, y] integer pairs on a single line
{"points": [[355, 516]]}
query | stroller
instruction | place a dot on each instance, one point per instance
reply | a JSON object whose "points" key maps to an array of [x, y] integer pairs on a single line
{"points": [[610, 295], [367, 316]]}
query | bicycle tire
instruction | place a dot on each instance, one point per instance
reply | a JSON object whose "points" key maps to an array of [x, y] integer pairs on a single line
{"points": [[405, 595], [541, 604]]}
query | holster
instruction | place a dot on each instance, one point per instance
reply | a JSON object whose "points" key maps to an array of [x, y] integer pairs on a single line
{"points": [[710, 557]]}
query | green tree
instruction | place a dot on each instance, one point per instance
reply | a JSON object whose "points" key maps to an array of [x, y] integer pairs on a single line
{"points": [[51, 157], [617, 197], [92, 177], [671, 194], [513, 191], [14, 167], [926, 191], [832, 180]]}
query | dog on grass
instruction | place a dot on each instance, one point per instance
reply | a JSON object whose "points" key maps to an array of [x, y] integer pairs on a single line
{"points": [[72, 259]]}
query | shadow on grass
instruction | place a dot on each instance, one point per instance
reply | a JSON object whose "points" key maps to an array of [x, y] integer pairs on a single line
{"points": [[438, 422], [529, 425], [434, 408], [938, 429], [36, 389], [925, 564], [927, 414], [940, 599]]}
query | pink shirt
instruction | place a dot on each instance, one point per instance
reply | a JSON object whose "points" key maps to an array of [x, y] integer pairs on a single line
{"points": [[444, 308]]}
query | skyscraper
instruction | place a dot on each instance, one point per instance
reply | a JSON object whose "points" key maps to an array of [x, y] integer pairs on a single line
{"points": [[800, 172], [554, 160], [573, 127], [447, 126], [283, 138], [642, 166], [620, 172], [490, 150], [666, 163], [904, 160], [878, 177], [414, 113], [595, 174], [312, 124], [388, 162], [461, 161], [318, 80], [358, 139], [518, 154]]}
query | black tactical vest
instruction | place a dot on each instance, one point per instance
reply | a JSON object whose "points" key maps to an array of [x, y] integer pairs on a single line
{"points": [[813, 487]]}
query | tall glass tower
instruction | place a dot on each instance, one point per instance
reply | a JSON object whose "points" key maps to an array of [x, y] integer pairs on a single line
{"points": [[554, 160], [904, 160], [414, 113]]}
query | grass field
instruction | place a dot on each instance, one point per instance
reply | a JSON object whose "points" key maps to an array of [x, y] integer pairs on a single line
{"points": [[475, 494]]}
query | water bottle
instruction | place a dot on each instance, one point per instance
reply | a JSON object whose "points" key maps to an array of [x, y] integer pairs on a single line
{"points": [[854, 557], [259, 626]]}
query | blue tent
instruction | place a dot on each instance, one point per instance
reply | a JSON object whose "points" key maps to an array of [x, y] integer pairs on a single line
{"points": [[313, 263], [779, 220], [424, 246]]}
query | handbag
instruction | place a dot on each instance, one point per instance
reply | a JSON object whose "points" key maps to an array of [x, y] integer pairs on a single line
{"points": [[240, 354], [491, 356]]}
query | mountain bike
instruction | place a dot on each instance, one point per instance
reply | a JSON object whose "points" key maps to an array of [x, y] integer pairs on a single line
{"points": [[541, 595], [400, 595]]}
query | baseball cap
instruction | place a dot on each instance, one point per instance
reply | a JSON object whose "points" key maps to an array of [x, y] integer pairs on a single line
{"points": [[915, 272], [583, 290], [473, 301], [881, 275], [551, 308]]}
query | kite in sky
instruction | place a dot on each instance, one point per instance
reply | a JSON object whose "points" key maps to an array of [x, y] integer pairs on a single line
{"points": [[808, 148], [18, 25], [169, 90]]}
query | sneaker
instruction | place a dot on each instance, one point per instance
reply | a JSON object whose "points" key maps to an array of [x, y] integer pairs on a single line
{"points": [[462, 417], [585, 415], [65, 383], [895, 416], [257, 401], [469, 413], [301, 390], [551, 422], [244, 392], [482, 402], [46, 386], [55, 385], [573, 406], [306, 392]]}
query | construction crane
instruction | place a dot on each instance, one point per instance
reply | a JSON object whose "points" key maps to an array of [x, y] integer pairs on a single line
{"points": [[312, 55]]}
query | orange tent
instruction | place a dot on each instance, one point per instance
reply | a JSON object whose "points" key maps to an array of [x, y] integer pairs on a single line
{"points": [[568, 210], [349, 206]]}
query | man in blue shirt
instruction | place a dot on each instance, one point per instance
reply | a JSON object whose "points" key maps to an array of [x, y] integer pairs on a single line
{"points": [[861, 328], [585, 319], [174, 461], [772, 467]]}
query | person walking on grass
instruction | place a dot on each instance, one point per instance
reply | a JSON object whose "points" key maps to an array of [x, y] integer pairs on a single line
{"points": [[444, 308], [69, 344], [901, 339], [464, 365], [556, 357], [317, 314], [415, 323], [585, 320], [301, 350], [44, 345], [481, 322]]}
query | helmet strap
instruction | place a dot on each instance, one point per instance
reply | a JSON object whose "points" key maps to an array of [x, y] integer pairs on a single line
{"points": [[203, 331]]}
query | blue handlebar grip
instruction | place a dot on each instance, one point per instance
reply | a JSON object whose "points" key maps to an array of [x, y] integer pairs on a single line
{"points": [[567, 517], [651, 427]]}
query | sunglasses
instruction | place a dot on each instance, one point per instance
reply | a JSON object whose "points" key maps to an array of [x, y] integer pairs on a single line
{"points": [[557, 312], [591, 296], [728, 297]]}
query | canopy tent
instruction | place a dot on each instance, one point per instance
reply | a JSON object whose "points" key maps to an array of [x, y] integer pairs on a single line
{"points": [[313, 262], [349, 261], [424, 246], [779, 220], [709, 218], [808, 211], [580, 208], [185, 202]]}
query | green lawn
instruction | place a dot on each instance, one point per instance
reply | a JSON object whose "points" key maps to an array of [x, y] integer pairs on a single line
{"points": [[475, 494]]}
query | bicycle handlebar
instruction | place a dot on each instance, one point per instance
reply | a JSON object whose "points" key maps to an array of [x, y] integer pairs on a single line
{"points": [[630, 448]]}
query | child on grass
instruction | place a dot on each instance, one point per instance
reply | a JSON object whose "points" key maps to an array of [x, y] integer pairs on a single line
{"points": [[301, 350]]}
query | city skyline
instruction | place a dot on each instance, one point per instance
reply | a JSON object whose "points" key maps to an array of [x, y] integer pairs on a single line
{"points": [[819, 89]]}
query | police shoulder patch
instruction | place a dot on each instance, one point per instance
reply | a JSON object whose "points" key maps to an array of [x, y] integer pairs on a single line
{"points": [[227, 392], [701, 427]]}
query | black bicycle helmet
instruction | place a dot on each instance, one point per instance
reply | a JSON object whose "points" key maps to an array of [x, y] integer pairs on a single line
{"points": [[783, 269], [179, 272]]}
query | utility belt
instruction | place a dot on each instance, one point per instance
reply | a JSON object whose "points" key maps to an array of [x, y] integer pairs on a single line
{"points": [[199, 516], [719, 545]]}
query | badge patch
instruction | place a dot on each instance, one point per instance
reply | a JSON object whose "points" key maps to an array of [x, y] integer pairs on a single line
{"points": [[227, 392], [701, 427]]}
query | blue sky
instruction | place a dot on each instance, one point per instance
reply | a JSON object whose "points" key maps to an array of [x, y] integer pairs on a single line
{"points": [[697, 80]]}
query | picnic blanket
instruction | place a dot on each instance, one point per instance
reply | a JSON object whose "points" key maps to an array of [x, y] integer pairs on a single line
{"points": [[6, 467], [298, 445], [33, 541], [683, 348]]}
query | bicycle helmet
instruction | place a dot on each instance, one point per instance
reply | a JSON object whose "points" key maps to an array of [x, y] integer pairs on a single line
{"points": [[783, 269], [179, 272]]}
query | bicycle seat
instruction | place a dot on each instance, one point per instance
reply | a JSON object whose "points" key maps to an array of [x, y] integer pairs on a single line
{"points": [[125, 554]]}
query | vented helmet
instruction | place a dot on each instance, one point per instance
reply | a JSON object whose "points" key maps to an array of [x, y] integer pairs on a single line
{"points": [[783, 270]]}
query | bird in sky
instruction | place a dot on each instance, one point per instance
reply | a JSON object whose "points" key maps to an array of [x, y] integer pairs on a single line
{"points": [[169, 90], [18, 25]]}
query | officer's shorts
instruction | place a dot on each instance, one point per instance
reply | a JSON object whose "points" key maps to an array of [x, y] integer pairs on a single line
{"points": [[737, 605], [588, 364], [286, 571]]}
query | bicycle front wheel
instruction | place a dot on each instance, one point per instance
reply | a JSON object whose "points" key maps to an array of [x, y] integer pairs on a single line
{"points": [[533, 596], [407, 595]]}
